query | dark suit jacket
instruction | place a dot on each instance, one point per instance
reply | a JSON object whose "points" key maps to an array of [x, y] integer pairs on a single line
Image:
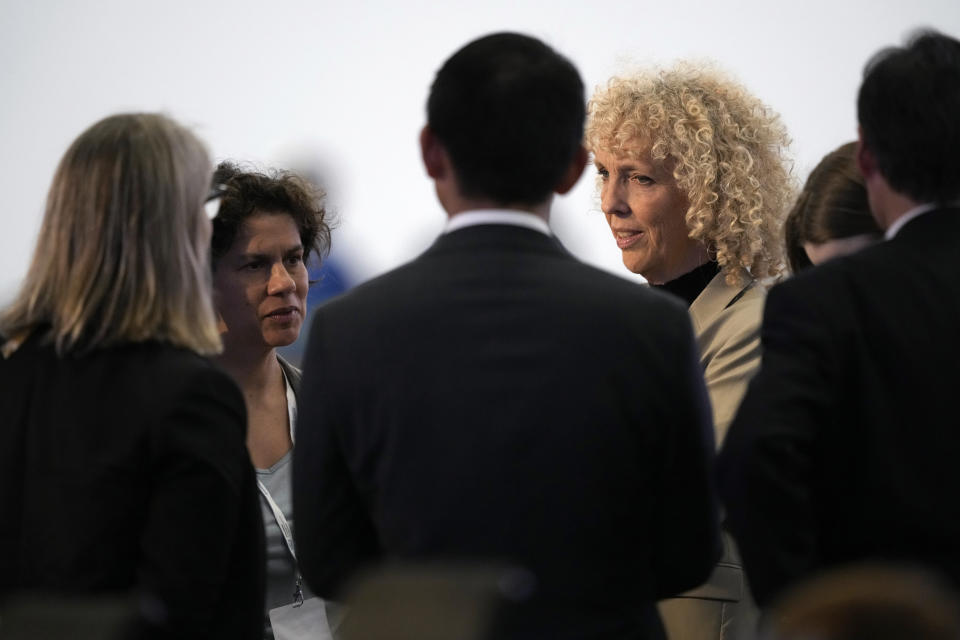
{"points": [[126, 470], [846, 447], [496, 398]]}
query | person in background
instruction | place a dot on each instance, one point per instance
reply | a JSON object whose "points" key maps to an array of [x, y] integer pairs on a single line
{"points": [[845, 448], [694, 184], [831, 216], [122, 459], [265, 230]]}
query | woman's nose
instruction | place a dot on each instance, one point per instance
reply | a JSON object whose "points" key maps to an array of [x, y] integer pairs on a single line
{"points": [[612, 201], [280, 280]]}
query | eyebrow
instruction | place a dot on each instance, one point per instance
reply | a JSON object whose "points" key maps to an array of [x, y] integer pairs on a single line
{"points": [[263, 256], [624, 167]]}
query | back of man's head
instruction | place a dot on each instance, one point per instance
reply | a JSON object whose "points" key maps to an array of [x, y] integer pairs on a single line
{"points": [[908, 111], [509, 110]]}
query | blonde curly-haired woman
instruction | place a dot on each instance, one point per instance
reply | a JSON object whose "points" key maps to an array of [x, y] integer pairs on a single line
{"points": [[695, 183]]}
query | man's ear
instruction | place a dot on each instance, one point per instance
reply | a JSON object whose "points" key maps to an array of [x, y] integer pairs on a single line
{"points": [[866, 163], [573, 172], [433, 154]]}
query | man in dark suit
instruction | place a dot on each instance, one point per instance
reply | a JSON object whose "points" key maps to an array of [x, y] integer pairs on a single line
{"points": [[846, 447], [496, 398]]}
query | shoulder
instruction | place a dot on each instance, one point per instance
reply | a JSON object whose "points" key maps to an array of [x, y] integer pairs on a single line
{"points": [[616, 301], [173, 368], [827, 286], [168, 384], [580, 283]]}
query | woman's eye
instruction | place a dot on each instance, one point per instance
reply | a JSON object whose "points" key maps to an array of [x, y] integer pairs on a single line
{"points": [[603, 173], [641, 179]]}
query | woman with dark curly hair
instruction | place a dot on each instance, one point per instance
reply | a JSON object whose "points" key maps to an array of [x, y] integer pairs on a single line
{"points": [[832, 215], [694, 184], [266, 227]]}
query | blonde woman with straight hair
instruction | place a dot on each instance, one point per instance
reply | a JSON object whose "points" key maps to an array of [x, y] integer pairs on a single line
{"points": [[123, 467]]}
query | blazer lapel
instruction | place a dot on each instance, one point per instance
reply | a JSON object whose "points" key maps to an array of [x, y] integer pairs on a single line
{"points": [[717, 296]]}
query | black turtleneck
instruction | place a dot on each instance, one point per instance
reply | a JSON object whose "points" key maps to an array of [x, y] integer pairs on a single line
{"points": [[691, 284]]}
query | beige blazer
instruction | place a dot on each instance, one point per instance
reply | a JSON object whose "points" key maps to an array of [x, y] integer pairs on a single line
{"points": [[726, 321]]}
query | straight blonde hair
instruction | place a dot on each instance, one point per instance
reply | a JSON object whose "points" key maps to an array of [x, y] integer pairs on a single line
{"points": [[122, 254]]}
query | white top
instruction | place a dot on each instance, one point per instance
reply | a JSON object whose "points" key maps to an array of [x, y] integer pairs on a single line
{"points": [[497, 216], [277, 508]]}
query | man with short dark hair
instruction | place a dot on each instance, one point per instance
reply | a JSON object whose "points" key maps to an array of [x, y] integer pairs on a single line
{"points": [[846, 445], [496, 399]]}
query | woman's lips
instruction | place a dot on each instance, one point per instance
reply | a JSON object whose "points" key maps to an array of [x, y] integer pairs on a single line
{"points": [[284, 314], [626, 239]]}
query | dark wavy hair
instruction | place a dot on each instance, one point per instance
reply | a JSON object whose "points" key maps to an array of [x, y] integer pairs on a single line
{"points": [[248, 192], [509, 110], [907, 109], [833, 204]]}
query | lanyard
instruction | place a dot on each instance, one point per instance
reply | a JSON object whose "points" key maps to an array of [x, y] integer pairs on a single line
{"points": [[288, 538], [277, 513]]}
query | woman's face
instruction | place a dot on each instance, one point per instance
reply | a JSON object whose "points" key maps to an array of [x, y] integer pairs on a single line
{"points": [[260, 284], [645, 210]]}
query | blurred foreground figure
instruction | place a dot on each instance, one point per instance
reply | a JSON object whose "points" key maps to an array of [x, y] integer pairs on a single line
{"points": [[122, 460], [866, 603], [846, 446], [495, 399]]}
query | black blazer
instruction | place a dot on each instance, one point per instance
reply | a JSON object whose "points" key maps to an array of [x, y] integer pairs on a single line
{"points": [[126, 470], [496, 398], [846, 447]]}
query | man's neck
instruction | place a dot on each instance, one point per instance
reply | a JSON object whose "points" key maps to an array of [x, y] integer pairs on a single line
{"points": [[887, 204], [455, 204], [895, 206]]}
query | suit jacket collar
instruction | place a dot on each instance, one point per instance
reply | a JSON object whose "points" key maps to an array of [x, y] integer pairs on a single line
{"points": [[717, 296], [497, 237], [497, 216], [945, 220]]}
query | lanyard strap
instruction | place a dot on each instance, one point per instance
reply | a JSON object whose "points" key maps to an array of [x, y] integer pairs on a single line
{"points": [[288, 538], [280, 518], [277, 513]]}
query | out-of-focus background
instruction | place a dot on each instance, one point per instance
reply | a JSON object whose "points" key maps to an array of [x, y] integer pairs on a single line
{"points": [[337, 90]]}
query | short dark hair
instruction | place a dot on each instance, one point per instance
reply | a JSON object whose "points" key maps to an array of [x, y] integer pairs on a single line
{"points": [[908, 111], [833, 204], [509, 110], [248, 192]]}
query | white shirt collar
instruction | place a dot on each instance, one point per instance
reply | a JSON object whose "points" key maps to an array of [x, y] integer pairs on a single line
{"points": [[497, 216], [894, 229]]}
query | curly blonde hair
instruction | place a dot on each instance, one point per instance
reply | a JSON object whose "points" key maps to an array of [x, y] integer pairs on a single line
{"points": [[728, 150]]}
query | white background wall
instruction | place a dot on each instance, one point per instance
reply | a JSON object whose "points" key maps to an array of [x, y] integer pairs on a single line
{"points": [[342, 85]]}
